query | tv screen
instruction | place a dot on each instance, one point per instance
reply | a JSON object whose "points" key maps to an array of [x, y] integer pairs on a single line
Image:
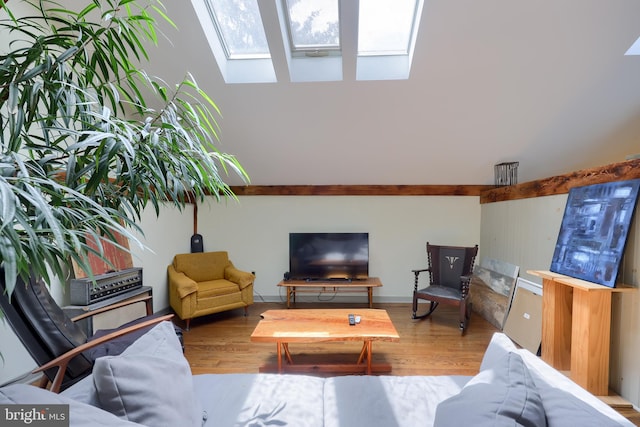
{"points": [[326, 256]]}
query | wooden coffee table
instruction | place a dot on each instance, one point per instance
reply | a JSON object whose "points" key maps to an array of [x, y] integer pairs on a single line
{"points": [[326, 325]]}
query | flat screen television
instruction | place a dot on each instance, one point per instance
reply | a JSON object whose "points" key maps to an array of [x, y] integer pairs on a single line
{"points": [[328, 256]]}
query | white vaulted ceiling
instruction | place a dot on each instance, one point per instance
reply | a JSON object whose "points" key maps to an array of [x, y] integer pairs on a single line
{"points": [[545, 83]]}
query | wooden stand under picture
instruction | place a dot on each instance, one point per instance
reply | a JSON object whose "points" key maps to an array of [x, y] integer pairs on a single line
{"points": [[594, 231]]}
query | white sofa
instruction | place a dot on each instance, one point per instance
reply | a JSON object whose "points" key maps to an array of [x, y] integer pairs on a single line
{"points": [[151, 384]]}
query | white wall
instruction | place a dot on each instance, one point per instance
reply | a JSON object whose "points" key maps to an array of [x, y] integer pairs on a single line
{"points": [[15, 361], [255, 231], [164, 236], [524, 232]]}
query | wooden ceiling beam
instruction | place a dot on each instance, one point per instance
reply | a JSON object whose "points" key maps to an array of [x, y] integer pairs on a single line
{"points": [[561, 184], [360, 190]]}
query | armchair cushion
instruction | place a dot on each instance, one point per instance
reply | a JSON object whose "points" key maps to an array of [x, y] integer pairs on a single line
{"points": [[218, 287]]}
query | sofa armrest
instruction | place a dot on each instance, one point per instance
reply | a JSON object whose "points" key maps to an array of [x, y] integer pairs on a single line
{"points": [[563, 399], [242, 278], [183, 284], [499, 346]]}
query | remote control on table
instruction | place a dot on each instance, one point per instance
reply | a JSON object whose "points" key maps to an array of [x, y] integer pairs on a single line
{"points": [[352, 320]]}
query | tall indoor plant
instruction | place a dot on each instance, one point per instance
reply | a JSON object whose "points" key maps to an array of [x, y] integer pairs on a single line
{"points": [[88, 138]]}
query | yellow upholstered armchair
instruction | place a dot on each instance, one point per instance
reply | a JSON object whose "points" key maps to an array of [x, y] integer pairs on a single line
{"points": [[207, 282]]}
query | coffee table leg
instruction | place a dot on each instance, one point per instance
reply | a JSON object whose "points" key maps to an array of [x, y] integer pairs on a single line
{"points": [[283, 346], [363, 353], [367, 348], [286, 353], [370, 292], [279, 353]]}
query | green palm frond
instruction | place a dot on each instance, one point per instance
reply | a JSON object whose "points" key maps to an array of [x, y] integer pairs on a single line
{"points": [[82, 150]]}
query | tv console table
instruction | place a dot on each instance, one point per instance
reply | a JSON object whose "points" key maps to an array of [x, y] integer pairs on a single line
{"points": [[292, 287]]}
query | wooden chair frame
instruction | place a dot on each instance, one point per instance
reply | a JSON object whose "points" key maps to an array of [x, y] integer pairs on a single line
{"points": [[436, 292]]}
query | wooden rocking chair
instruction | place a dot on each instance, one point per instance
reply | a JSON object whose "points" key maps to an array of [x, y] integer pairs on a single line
{"points": [[450, 269]]}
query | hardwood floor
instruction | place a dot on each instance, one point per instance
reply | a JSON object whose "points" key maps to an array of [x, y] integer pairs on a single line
{"points": [[220, 343]]}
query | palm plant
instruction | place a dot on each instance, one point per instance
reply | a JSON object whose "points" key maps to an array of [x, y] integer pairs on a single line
{"points": [[88, 139]]}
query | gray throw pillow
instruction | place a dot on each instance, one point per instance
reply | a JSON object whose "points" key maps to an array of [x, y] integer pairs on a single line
{"points": [[151, 384], [503, 395]]}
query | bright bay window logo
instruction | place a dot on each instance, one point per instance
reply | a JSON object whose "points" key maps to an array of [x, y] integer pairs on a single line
{"points": [[34, 415]]}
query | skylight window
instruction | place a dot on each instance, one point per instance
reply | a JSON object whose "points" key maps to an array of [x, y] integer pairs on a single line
{"points": [[310, 40], [240, 28], [314, 25], [236, 36], [387, 32], [385, 26]]}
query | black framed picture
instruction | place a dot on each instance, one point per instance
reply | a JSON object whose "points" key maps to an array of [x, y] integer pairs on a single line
{"points": [[594, 231]]}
